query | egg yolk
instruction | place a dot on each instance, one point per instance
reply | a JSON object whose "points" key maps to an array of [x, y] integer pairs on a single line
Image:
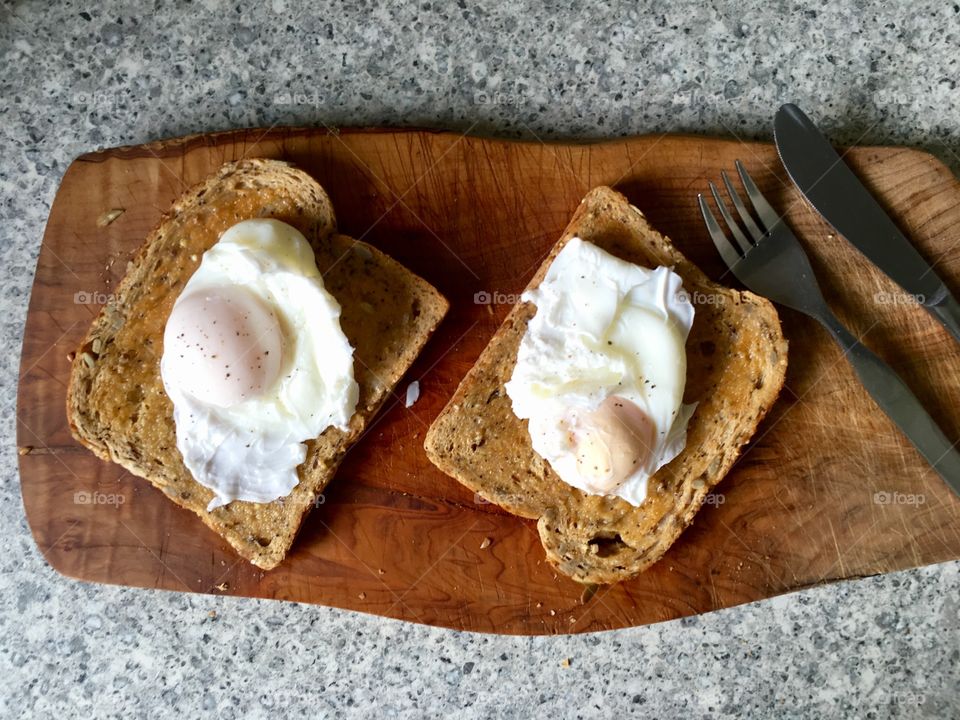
{"points": [[224, 345], [611, 443]]}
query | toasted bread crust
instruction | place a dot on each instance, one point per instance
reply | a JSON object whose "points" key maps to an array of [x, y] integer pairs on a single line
{"points": [[116, 404], [736, 360]]}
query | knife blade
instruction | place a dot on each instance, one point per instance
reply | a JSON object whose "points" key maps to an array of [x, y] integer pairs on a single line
{"points": [[831, 187]]}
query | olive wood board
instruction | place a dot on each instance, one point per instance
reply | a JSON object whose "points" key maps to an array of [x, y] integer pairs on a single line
{"points": [[828, 489]]}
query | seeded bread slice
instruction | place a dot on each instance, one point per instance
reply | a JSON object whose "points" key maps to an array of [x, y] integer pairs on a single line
{"points": [[116, 404], [736, 361]]}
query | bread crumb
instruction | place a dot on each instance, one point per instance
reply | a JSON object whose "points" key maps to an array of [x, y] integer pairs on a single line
{"points": [[223, 587], [212, 614], [487, 542], [381, 571], [24, 450], [565, 662], [539, 604], [109, 216], [71, 356], [553, 612], [362, 596]]}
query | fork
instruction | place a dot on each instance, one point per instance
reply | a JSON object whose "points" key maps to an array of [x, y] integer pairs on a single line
{"points": [[771, 262]]}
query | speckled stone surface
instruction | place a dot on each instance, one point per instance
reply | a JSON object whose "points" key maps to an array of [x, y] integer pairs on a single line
{"points": [[90, 75]]}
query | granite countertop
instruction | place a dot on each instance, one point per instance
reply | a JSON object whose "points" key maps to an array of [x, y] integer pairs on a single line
{"points": [[87, 75]]}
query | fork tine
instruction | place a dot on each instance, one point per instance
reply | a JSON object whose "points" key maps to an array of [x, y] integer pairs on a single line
{"points": [[768, 216], [742, 240], [755, 232], [727, 251]]}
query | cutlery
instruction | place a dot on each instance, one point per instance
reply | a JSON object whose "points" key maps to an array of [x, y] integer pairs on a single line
{"points": [[770, 261], [838, 195]]}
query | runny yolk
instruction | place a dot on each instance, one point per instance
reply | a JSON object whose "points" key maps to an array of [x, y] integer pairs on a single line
{"points": [[223, 345], [612, 442]]}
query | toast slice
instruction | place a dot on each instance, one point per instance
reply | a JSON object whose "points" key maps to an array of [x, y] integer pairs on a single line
{"points": [[116, 404], [736, 362]]}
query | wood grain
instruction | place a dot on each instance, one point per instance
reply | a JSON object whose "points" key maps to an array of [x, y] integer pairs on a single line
{"points": [[828, 489]]}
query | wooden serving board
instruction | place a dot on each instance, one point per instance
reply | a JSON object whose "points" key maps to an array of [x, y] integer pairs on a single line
{"points": [[828, 489]]}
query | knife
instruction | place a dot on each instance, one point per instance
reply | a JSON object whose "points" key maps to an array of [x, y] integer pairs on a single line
{"points": [[838, 195]]}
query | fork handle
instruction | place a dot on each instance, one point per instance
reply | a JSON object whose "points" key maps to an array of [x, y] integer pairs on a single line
{"points": [[899, 403]]}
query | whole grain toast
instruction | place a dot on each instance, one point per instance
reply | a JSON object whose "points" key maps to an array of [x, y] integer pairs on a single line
{"points": [[736, 362], [116, 404]]}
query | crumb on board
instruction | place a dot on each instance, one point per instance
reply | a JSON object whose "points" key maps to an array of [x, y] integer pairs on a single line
{"points": [[487, 542], [109, 216], [223, 587], [413, 393]]}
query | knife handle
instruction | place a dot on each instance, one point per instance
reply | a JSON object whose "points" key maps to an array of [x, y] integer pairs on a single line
{"points": [[899, 403], [947, 311]]}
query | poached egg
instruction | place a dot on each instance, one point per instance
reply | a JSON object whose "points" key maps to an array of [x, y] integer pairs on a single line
{"points": [[601, 371], [255, 363]]}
